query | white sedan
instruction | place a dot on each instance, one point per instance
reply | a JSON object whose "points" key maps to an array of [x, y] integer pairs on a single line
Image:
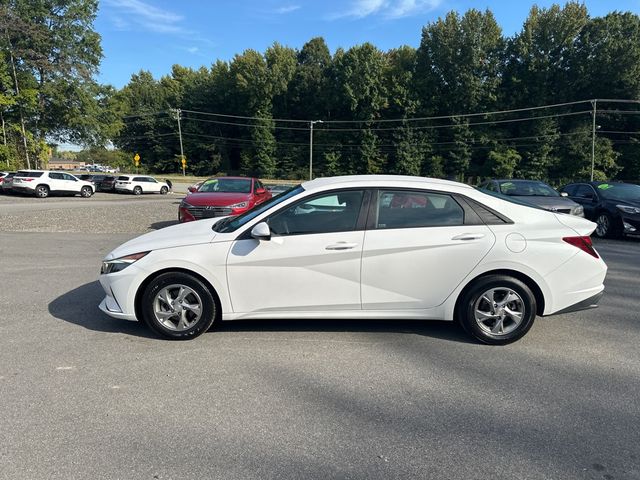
{"points": [[139, 184], [369, 247]]}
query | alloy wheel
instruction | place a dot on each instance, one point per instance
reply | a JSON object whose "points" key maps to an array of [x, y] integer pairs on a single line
{"points": [[177, 307], [499, 311], [603, 225]]}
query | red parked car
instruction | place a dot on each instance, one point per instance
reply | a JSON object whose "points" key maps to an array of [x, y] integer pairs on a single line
{"points": [[222, 196]]}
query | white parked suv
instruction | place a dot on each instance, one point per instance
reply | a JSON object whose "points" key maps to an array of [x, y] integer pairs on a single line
{"points": [[139, 184], [42, 183]]}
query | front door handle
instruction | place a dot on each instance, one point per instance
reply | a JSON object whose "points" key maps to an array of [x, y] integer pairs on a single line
{"points": [[469, 236], [341, 246]]}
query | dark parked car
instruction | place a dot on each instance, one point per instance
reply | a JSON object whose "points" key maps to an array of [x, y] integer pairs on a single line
{"points": [[107, 184], [614, 206], [6, 183], [534, 192]]}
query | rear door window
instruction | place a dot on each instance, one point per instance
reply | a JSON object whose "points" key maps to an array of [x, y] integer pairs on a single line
{"points": [[413, 209]]}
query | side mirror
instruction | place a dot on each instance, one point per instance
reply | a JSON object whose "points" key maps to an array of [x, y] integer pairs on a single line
{"points": [[260, 191], [261, 231], [191, 189], [564, 194]]}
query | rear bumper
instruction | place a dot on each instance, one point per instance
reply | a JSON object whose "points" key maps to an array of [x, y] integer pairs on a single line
{"points": [[587, 304]]}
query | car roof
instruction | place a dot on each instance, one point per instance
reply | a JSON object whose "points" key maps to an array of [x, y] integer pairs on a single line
{"points": [[398, 181], [231, 177], [518, 180]]}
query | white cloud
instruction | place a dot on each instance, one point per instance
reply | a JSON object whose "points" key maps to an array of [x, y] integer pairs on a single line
{"points": [[288, 9], [147, 16], [389, 8], [193, 50]]}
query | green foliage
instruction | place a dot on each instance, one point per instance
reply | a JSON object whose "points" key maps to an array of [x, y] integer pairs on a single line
{"points": [[502, 163], [50, 52]]}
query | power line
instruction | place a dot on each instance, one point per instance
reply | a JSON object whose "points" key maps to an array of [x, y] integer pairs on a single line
{"points": [[452, 125], [244, 124], [415, 119], [424, 127], [225, 115], [404, 120]]}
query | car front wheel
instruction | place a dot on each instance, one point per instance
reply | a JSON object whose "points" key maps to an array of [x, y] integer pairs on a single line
{"points": [[605, 226], [164, 190], [178, 306], [86, 192], [497, 309]]}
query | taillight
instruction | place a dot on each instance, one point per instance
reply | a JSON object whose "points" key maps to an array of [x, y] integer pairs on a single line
{"points": [[583, 243]]}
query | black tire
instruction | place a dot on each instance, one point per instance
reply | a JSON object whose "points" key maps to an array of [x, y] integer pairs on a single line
{"points": [[86, 192], [607, 227], [137, 190], [42, 191], [473, 304], [164, 191], [171, 327]]}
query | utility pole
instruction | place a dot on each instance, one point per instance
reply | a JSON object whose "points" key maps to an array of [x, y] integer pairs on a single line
{"points": [[178, 114], [311, 124], [594, 102]]}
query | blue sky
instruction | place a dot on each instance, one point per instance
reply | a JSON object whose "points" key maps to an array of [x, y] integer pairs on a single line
{"points": [[155, 34]]}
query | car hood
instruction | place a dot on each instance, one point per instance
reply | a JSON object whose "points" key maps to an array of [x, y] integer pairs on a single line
{"points": [[547, 203], [631, 203], [216, 199], [183, 234]]}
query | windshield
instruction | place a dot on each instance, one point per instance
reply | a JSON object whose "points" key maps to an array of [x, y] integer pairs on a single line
{"points": [[231, 224], [527, 189], [620, 191], [226, 185]]}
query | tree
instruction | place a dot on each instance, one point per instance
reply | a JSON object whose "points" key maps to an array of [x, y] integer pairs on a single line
{"points": [[502, 162]]}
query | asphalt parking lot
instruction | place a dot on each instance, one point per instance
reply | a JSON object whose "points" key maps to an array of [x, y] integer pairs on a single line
{"points": [[85, 396]]}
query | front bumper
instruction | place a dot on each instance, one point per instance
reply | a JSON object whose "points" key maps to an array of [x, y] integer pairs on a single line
{"points": [[119, 289], [631, 224], [111, 308]]}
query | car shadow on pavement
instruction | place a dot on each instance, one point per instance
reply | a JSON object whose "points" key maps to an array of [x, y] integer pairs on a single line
{"points": [[159, 225], [427, 328], [80, 307]]}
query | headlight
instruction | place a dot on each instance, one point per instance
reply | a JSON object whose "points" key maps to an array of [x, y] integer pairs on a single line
{"points": [[184, 203], [578, 210], [239, 205], [628, 209], [119, 264]]}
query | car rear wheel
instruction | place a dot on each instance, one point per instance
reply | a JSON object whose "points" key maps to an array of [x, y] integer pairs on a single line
{"points": [[164, 190], [86, 192], [497, 309], [178, 306], [42, 191], [137, 191]]}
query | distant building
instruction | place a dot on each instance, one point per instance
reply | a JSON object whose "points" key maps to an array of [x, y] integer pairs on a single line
{"points": [[64, 164]]}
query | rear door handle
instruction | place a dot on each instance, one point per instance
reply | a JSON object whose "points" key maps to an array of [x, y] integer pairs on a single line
{"points": [[341, 246], [468, 236]]}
